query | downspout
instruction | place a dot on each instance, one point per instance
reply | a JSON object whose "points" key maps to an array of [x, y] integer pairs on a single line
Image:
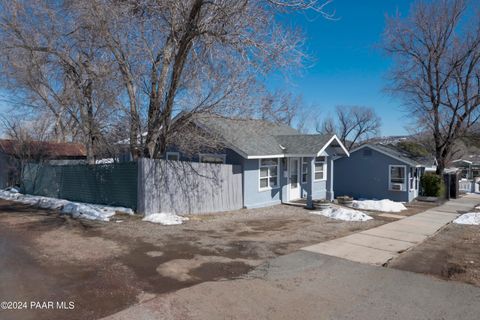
{"points": [[310, 175], [331, 196]]}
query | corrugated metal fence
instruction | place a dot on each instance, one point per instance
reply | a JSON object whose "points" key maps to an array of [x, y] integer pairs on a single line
{"points": [[109, 184], [188, 187]]}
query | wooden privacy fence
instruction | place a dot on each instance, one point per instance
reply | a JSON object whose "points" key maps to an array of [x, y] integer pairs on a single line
{"points": [[188, 187]]}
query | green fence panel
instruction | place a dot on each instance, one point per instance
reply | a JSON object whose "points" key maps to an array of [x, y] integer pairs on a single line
{"points": [[41, 179], [109, 184]]}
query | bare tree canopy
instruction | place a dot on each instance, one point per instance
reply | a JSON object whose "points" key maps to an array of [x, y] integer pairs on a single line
{"points": [[280, 107], [158, 62], [352, 124], [54, 63], [436, 49]]}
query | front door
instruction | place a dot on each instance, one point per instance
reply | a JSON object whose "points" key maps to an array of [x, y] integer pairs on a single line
{"points": [[294, 178], [414, 179]]}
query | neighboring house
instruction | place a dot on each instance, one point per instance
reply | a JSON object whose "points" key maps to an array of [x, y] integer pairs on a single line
{"points": [[278, 163], [375, 171], [14, 152], [469, 167]]}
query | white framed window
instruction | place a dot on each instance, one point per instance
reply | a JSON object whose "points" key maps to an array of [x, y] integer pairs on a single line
{"points": [[397, 178], [211, 158], [268, 174], [173, 156], [304, 170], [320, 169]]}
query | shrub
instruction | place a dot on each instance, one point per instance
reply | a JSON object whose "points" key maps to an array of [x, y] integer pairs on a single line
{"points": [[432, 185]]}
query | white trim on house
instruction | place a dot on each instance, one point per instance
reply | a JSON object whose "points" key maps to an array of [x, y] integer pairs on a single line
{"points": [[319, 153], [302, 162], [298, 190], [329, 142], [267, 188], [324, 169], [405, 178], [266, 157], [172, 153], [219, 155], [387, 154]]}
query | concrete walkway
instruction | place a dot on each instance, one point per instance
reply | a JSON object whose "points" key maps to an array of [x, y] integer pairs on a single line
{"points": [[378, 245]]}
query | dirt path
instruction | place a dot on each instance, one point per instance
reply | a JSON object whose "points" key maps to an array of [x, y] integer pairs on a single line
{"points": [[105, 267], [452, 254]]}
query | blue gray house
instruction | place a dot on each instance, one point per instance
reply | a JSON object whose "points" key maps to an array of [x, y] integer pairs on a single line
{"points": [[375, 171], [278, 163]]}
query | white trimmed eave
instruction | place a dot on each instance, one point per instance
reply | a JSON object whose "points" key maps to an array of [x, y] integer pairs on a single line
{"points": [[334, 137]]}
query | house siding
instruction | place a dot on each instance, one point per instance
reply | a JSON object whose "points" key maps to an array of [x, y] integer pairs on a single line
{"points": [[367, 176], [319, 187], [253, 197]]}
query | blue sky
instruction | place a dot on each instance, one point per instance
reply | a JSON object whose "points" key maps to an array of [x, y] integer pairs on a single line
{"points": [[350, 67]]}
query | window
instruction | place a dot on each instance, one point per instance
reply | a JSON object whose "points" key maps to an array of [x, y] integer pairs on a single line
{"points": [[304, 170], [268, 174], [175, 156], [397, 177], [212, 158], [320, 170]]}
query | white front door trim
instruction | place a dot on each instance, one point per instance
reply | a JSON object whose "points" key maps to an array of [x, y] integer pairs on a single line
{"points": [[294, 177]]}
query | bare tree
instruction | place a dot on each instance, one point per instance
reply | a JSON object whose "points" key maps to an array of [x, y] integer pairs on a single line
{"points": [[280, 107], [173, 59], [437, 69], [353, 124], [55, 62], [193, 56], [24, 143]]}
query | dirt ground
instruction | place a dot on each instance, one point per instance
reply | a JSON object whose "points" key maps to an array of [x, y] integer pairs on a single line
{"points": [[105, 267], [452, 254]]}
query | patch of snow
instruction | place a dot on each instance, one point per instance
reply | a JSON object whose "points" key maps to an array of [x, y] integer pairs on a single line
{"points": [[13, 189], [345, 214], [472, 218], [105, 161], [166, 219], [384, 205], [75, 209]]}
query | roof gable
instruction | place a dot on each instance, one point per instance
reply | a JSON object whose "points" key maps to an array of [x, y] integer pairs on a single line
{"points": [[390, 152]]}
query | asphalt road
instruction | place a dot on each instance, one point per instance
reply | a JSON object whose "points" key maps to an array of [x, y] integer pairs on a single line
{"points": [[307, 285]]}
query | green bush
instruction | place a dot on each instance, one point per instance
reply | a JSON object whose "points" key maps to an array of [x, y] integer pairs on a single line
{"points": [[432, 185]]}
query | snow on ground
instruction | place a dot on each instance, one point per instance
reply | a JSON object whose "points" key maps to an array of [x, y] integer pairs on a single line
{"points": [[341, 213], [75, 209], [384, 205], [472, 218], [165, 218]]}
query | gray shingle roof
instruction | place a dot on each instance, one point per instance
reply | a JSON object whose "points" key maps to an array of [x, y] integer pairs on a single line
{"points": [[404, 156], [303, 144], [253, 137]]}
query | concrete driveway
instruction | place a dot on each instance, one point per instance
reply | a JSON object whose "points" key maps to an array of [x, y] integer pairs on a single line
{"points": [[307, 285]]}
